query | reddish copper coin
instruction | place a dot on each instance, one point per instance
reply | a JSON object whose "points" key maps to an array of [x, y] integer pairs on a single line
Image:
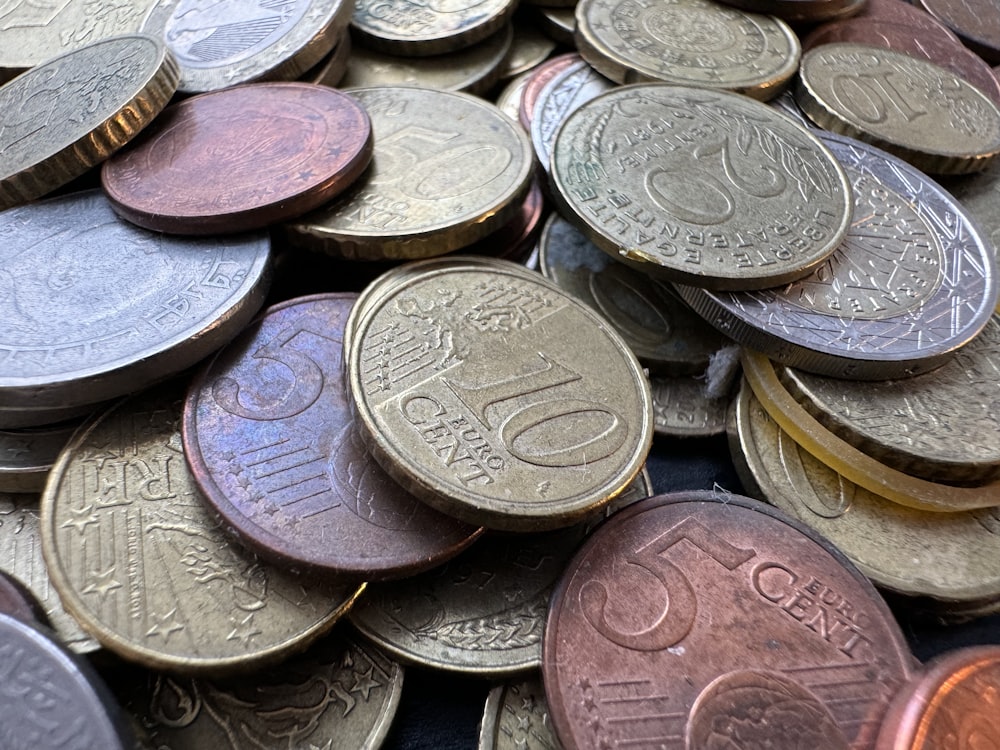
{"points": [[955, 703], [914, 41], [270, 438], [240, 158], [975, 22], [539, 78], [902, 13], [696, 620], [17, 601]]}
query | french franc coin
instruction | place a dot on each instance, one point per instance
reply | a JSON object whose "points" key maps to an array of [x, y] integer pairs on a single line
{"points": [[700, 186], [912, 282], [92, 307], [497, 398], [76, 110], [688, 42], [219, 45], [137, 558]]}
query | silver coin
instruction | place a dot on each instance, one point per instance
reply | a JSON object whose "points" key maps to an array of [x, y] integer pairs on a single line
{"points": [[27, 455]]}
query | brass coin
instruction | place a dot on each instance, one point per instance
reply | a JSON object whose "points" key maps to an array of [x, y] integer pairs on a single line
{"points": [[26, 455], [331, 70], [516, 717], [508, 100], [530, 48], [683, 408], [493, 395], [700, 186], [414, 29], [911, 108], [138, 560], [63, 117], [688, 42], [474, 69], [447, 170], [219, 45], [952, 557]]}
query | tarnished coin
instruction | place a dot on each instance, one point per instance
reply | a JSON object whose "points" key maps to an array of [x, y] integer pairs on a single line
{"points": [[92, 307], [688, 42], [529, 49], [222, 44], [497, 398], [448, 169], [954, 703], [539, 78], [912, 282], [138, 560], [973, 21], [558, 24], [27, 455], [63, 117], [516, 717], [20, 602], [952, 557], [943, 425], [241, 159], [910, 107], [905, 14], [802, 11], [509, 99], [662, 331], [700, 186], [269, 437], [516, 239], [330, 71], [341, 693], [51, 699], [694, 616], [410, 28], [682, 407], [474, 69]]}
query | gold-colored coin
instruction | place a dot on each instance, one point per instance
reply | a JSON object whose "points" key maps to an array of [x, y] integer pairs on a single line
{"points": [[139, 561], [952, 557], [559, 24], [447, 170], [909, 107], [530, 47], [218, 45], [516, 717], [682, 407], [848, 461], [688, 42], [491, 394], [63, 117], [474, 69], [700, 186], [509, 100], [330, 71]]}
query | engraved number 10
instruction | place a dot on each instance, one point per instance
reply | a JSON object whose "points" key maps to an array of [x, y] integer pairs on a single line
{"points": [[868, 96]]}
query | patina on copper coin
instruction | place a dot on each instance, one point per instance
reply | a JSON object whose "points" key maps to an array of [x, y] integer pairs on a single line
{"points": [[270, 439], [240, 159], [955, 703], [696, 619]]}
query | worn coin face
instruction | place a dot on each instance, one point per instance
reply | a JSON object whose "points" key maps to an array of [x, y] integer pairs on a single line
{"points": [[912, 282], [973, 21], [910, 107], [687, 42], [683, 408], [136, 557], [448, 169], [221, 45], [269, 436], [241, 159], [516, 717], [410, 28], [74, 111], [700, 186], [497, 398], [92, 307], [694, 615]]}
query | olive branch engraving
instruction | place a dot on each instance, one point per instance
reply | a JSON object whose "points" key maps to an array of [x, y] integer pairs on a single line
{"points": [[510, 629]]}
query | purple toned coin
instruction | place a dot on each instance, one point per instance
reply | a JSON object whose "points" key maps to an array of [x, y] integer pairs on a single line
{"points": [[240, 158], [17, 601], [269, 435], [914, 41], [538, 80], [700, 620], [975, 22]]}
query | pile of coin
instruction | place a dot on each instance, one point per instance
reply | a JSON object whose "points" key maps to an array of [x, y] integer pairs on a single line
{"points": [[301, 384]]}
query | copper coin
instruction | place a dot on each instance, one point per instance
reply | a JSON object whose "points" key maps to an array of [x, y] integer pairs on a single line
{"points": [[904, 14], [17, 601], [515, 240], [955, 703], [914, 41], [269, 436], [240, 159], [700, 615], [975, 22], [537, 81]]}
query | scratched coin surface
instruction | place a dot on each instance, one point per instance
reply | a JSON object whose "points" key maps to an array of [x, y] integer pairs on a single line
{"points": [[26, 455], [52, 699], [63, 117], [910, 107], [448, 169], [912, 282], [92, 307], [497, 398], [411, 28], [700, 186], [341, 693], [138, 559], [241, 159], [678, 592], [973, 21], [516, 717], [270, 439], [218, 45], [689, 43], [951, 557]]}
